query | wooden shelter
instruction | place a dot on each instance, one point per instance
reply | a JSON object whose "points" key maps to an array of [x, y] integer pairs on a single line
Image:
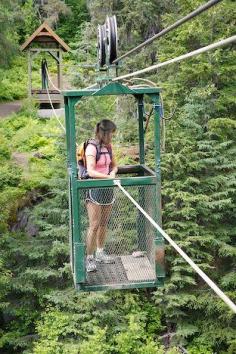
{"points": [[44, 39]]}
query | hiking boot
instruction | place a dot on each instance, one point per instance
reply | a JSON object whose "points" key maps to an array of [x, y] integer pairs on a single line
{"points": [[91, 265], [102, 257]]}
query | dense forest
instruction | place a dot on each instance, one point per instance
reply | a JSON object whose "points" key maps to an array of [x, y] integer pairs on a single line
{"points": [[40, 312]]}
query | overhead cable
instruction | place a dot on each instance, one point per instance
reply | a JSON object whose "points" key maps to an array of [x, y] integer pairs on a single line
{"points": [[214, 287], [221, 43], [188, 17]]}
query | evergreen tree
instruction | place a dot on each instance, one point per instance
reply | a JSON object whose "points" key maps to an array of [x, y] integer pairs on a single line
{"points": [[9, 14], [50, 10], [69, 25], [40, 311]]}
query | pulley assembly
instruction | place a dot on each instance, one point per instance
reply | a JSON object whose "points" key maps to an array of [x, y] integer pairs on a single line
{"points": [[101, 45], [107, 42]]}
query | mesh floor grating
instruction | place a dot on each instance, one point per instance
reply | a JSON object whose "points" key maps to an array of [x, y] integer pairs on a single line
{"points": [[117, 274], [108, 274]]}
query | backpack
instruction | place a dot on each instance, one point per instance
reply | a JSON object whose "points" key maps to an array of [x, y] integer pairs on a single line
{"points": [[81, 158]]}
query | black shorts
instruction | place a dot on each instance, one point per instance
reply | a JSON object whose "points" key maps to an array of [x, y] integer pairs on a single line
{"points": [[100, 196]]}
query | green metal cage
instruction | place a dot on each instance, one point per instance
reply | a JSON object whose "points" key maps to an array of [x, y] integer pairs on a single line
{"points": [[137, 248]]}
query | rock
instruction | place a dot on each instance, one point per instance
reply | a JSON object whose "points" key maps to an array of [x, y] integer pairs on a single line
{"points": [[39, 155]]}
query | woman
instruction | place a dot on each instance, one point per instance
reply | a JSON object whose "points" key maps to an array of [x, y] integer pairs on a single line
{"points": [[99, 201]]}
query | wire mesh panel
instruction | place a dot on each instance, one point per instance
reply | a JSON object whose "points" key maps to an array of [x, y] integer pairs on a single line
{"points": [[108, 218]]}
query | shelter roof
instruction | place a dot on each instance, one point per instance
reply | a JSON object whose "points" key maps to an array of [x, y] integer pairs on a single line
{"points": [[43, 34]]}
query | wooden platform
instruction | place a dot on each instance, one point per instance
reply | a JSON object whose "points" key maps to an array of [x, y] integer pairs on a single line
{"points": [[42, 96]]}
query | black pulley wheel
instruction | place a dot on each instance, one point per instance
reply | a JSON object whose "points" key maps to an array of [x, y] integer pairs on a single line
{"points": [[112, 38], [101, 45]]}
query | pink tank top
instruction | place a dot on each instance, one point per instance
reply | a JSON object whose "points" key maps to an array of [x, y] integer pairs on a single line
{"points": [[104, 161]]}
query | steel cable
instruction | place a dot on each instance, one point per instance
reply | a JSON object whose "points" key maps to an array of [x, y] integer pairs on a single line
{"points": [[221, 43], [188, 17], [214, 287]]}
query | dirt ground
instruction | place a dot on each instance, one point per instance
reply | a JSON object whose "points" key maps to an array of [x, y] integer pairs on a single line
{"points": [[8, 108]]}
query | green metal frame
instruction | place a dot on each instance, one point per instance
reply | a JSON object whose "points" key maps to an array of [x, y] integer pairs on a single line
{"points": [[77, 247]]}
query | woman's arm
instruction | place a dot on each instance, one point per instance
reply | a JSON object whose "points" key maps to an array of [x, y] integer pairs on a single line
{"points": [[91, 164], [114, 167]]}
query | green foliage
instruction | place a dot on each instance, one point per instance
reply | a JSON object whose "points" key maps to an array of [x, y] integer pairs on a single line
{"points": [[135, 340], [20, 189], [199, 203], [54, 323], [198, 189], [13, 83], [29, 108], [31, 20], [199, 350], [22, 135], [10, 200], [5, 276], [9, 175], [96, 343], [4, 149], [99, 324], [225, 128], [69, 26], [9, 10]]}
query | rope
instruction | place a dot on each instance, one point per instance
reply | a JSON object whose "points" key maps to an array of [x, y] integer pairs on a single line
{"points": [[54, 112], [214, 287], [180, 58], [188, 17], [56, 88]]}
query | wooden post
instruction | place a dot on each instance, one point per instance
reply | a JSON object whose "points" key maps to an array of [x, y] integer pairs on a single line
{"points": [[29, 74], [59, 74]]}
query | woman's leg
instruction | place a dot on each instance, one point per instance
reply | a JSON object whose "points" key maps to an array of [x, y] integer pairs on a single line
{"points": [[104, 218], [94, 214]]}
